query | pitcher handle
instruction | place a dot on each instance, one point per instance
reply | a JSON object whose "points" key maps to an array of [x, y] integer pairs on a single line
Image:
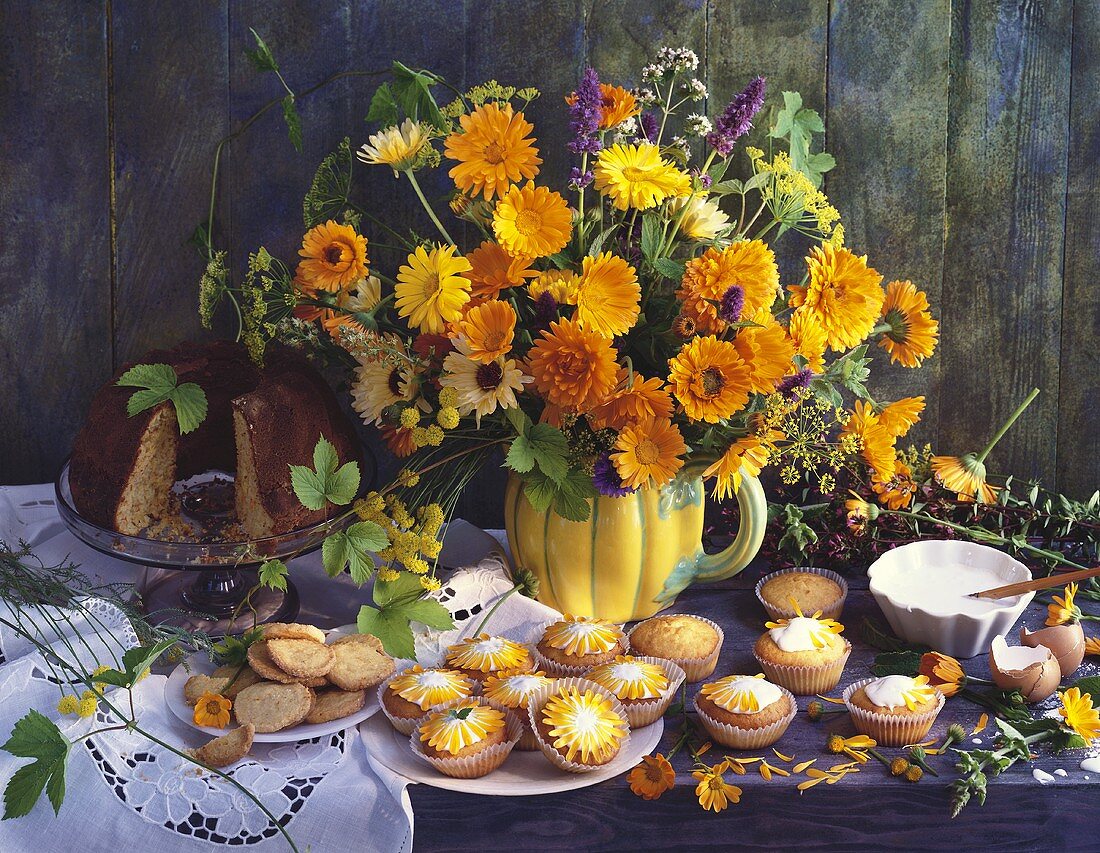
{"points": [[750, 535]]}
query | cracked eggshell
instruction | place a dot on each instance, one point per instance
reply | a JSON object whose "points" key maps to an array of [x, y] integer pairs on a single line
{"points": [[1033, 670], [1067, 642]]}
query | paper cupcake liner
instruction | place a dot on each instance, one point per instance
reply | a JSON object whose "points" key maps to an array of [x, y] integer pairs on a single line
{"points": [[471, 766], [538, 699], [739, 738], [406, 725], [806, 680], [781, 612], [561, 670], [887, 729], [641, 714], [696, 669]]}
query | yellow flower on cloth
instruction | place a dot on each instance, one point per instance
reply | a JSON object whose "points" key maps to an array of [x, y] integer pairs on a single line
{"points": [[700, 218], [651, 777], [747, 455], [809, 339], [492, 270], [844, 295], [212, 709], [713, 791], [482, 387], [1063, 611], [943, 672], [333, 257], [429, 687], [649, 454], [634, 400], [710, 379], [573, 367], [493, 150], [562, 285], [485, 653], [397, 147], [1080, 714], [766, 349], [453, 729], [912, 335], [532, 222], [431, 289], [750, 265], [965, 476], [635, 176], [488, 329], [630, 678], [876, 442], [584, 723], [897, 418], [608, 295]]}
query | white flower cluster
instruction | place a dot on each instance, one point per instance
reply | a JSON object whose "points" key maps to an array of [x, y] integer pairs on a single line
{"points": [[694, 89], [670, 61], [647, 98], [698, 125]]}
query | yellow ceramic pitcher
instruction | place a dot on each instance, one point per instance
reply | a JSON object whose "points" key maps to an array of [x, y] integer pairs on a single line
{"points": [[635, 554]]}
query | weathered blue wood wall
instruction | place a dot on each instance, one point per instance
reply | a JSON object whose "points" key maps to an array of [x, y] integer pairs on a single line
{"points": [[965, 131]]}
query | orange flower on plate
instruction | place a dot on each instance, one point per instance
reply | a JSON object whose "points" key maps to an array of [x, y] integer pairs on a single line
{"points": [[710, 379], [649, 453], [494, 150], [652, 777], [488, 329], [492, 270], [573, 367], [333, 256], [212, 710]]}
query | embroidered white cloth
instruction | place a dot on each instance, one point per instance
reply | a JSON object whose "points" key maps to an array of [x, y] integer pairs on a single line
{"points": [[125, 793]]}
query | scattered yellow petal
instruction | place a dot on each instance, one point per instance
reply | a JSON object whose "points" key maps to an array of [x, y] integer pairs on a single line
{"points": [[766, 771], [983, 721], [814, 773], [705, 748], [922, 744], [739, 769], [798, 768], [830, 699], [933, 750], [861, 742], [745, 760], [781, 756], [779, 771], [805, 786]]}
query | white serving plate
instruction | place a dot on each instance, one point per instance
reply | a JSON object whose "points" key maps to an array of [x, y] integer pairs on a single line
{"points": [[523, 774], [961, 635]]}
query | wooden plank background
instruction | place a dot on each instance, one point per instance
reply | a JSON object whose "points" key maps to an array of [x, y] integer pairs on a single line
{"points": [[965, 132]]}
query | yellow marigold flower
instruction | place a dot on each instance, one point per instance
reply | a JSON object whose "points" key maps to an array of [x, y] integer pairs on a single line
{"points": [[573, 367], [649, 454], [876, 443], [912, 335], [532, 222], [493, 150], [448, 397], [1080, 714], [710, 379], [898, 491], [747, 455], [619, 104], [212, 710], [635, 176], [844, 295], [632, 402], [652, 777], [87, 707], [388, 575], [488, 330], [766, 349], [397, 147], [749, 264], [1092, 646], [700, 218], [1063, 611], [713, 791], [943, 672], [68, 704], [333, 257], [410, 417], [447, 417], [898, 417], [492, 270], [431, 289], [562, 285], [431, 584], [608, 295], [965, 476]]}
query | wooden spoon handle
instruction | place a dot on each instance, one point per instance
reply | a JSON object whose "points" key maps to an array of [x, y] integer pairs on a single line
{"points": [[1013, 589]]}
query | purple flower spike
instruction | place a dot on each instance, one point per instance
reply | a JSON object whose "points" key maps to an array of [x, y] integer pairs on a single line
{"points": [[585, 113], [648, 123], [578, 180], [732, 304], [798, 380], [736, 119], [546, 310], [607, 480]]}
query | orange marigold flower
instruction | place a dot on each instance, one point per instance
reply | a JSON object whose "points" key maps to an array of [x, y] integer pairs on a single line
{"points": [[652, 777], [710, 379], [750, 264], [212, 710], [608, 295], [493, 151], [898, 491], [747, 455], [766, 349], [399, 440], [488, 329], [876, 442], [912, 335], [619, 104], [713, 791], [492, 270], [844, 295], [649, 454], [634, 401], [333, 256], [573, 367], [944, 672], [897, 418], [965, 476], [532, 222]]}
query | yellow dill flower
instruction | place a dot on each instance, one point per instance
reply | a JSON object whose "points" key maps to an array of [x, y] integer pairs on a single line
{"points": [[420, 436], [68, 705], [434, 436], [410, 417], [448, 416], [431, 514], [407, 479], [430, 546], [86, 707], [429, 583], [387, 575], [417, 566]]}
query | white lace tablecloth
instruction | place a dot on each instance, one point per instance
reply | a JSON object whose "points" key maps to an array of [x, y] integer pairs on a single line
{"points": [[125, 793]]}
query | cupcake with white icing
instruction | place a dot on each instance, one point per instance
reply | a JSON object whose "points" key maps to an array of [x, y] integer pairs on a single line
{"points": [[466, 738], [407, 696], [745, 712], [580, 726], [575, 644], [805, 654], [644, 685], [509, 691], [483, 655], [894, 710]]}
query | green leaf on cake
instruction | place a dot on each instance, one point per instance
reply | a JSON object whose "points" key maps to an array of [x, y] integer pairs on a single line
{"points": [[400, 602], [158, 383], [325, 483], [35, 736], [273, 575]]}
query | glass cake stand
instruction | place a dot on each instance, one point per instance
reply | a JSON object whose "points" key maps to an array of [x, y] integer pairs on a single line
{"points": [[210, 577]]}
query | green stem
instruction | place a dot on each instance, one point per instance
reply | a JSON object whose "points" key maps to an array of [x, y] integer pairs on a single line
{"points": [[494, 608], [428, 207], [1008, 424]]}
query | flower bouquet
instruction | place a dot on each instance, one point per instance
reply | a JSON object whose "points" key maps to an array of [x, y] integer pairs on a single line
{"points": [[613, 335]]}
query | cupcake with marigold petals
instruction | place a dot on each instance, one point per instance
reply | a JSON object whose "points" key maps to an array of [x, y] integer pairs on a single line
{"points": [[745, 712], [482, 656], [645, 686], [575, 644], [408, 695], [466, 739], [805, 654], [510, 691], [894, 710], [579, 725]]}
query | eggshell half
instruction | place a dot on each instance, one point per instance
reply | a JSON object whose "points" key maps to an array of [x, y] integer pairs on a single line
{"points": [[1035, 681], [1067, 642]]}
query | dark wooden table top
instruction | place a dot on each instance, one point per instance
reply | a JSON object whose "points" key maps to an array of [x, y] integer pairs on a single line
{"points": [[865, 810]]}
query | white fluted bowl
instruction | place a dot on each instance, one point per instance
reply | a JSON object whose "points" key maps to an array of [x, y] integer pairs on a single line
{"points": [[961, 635]]}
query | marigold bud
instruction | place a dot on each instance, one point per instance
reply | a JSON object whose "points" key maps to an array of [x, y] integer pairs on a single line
{"points": [[899, 766], [914, 773]]}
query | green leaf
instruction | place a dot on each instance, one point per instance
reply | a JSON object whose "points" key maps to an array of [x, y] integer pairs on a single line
{"points": [[145, 399], [234, 650], [383, 107], [549, 447], [156, 377], [331, 187], [391, 627], [326, 483], [430, 613], [273, 574], [1090, 685], [412, 90], [896, 663], [651, 236], [561, 260], [261, 58], [518, 419], [520, 457], [405, 588], [325, 458], [353, 550], [35, 736], [540, 490], [308, 486], [293, 123], [343, 485], [190, 402], [726, 187], [572, 500], [159, 384], [669, 268]]}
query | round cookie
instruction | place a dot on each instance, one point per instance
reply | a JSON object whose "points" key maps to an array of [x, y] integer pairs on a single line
{"points": [[238, 678], [329, 705], [292, 631], [273, 707], [259, 658], [301, 658], [360, 662], [198, 686], [227, 749]]}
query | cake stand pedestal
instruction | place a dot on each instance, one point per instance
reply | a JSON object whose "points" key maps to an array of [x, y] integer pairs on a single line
{"points": [[209, 600]]}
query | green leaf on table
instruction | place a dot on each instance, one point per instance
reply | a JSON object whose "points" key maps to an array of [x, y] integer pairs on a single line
{"points": [[35, 736], [293, 122], [326, 483], [273, 575], [354, 549], [158, 383], [262, 58]]}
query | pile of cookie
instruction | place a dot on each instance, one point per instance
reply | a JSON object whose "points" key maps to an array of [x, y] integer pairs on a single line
{"points": [[293, 676]]}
